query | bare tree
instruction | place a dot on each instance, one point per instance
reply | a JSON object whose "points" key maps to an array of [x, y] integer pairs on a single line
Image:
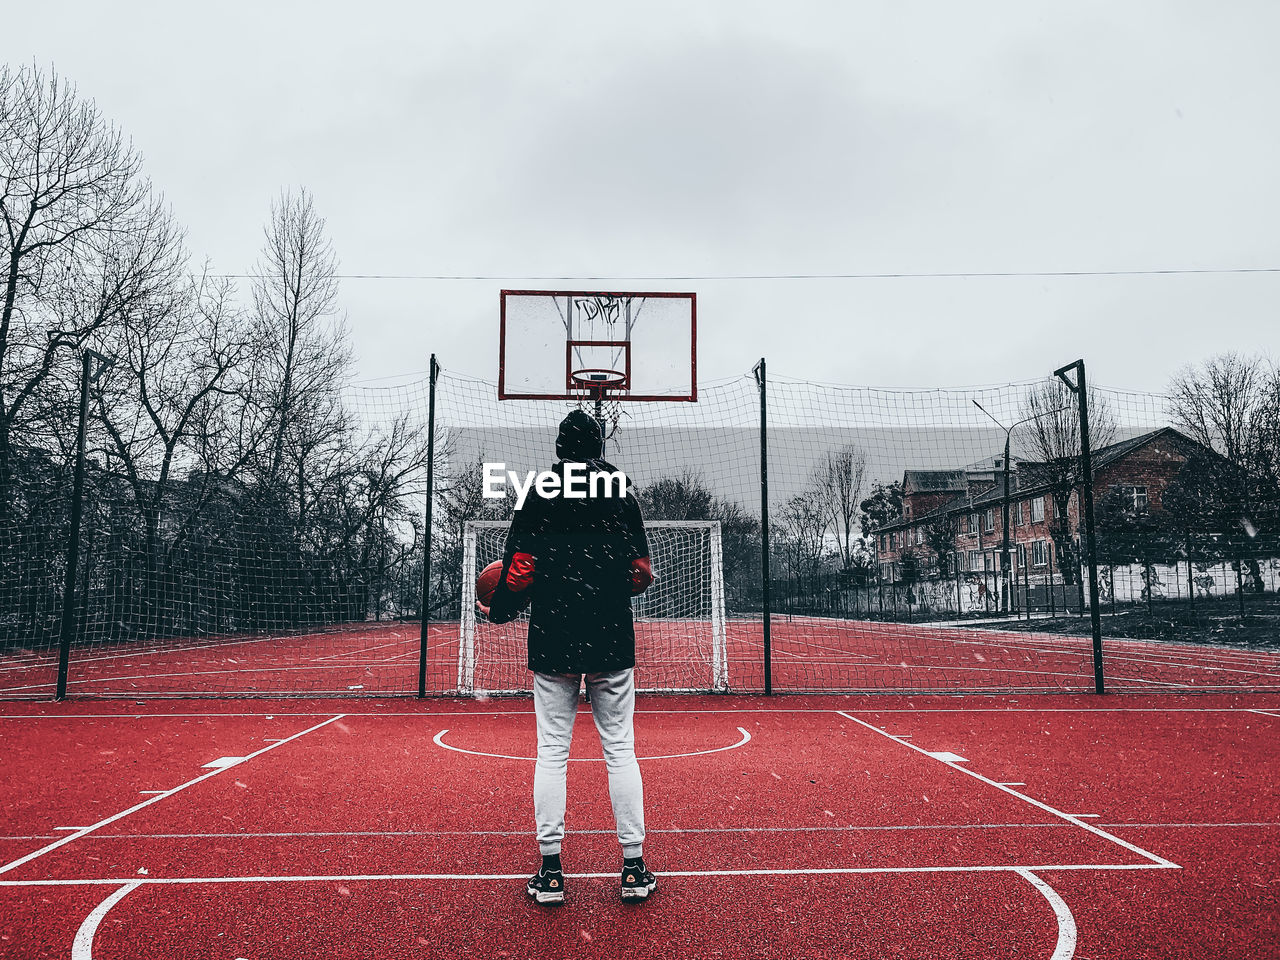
{"points": [[71, 199], [1051, 438], [1220, 404], [170, 406], [805, 522], [362, 507], [839, 480], [306, 354], [460, 498], [1231, 404], [682, 497], [1266, 430]]}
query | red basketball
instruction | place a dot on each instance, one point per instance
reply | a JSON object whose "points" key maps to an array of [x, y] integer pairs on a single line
{"points": [[487, 582]]}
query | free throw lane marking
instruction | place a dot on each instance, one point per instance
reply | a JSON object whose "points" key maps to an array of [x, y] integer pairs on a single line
{"points": [[1066, 947], [82, 946], [13, 864], [438, 739], [1132, 848]]}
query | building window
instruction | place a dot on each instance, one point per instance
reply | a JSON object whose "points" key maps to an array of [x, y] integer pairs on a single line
{"points": [[919, 535], [1019, 515], [1037, 510], [989, 520], [1039, 553], [893, 541], [973, 523], [1133, 498], [1022, 556], [975, 559], [882, 543]]}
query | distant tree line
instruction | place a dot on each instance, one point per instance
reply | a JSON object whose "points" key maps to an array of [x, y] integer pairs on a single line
{"points": [[231, 484]]}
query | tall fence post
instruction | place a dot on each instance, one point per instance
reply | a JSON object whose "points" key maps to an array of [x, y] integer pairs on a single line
{"points": [[764, 523], [426, 528], [1081, 389], [73, 540]]}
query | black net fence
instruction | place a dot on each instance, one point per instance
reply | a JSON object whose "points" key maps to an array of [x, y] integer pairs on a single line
{"points": [[920, 540], [271, 570]]}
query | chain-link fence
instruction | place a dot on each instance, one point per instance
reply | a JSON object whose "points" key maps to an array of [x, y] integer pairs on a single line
{"points": [[922, 540]]}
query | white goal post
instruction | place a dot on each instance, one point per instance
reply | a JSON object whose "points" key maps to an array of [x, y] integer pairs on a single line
{"points": [[680, 620]]}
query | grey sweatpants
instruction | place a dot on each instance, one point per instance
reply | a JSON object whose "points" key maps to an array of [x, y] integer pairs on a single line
{"points": [[555, 704]]}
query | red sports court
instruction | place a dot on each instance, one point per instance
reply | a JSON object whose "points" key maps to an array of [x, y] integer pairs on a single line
{"points": [[897, 699]]}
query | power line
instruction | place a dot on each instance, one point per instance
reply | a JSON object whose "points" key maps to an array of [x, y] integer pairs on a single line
{"points": [[996, 274]]}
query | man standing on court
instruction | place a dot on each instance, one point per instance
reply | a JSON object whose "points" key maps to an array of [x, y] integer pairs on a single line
{"points": [[578, 561]]}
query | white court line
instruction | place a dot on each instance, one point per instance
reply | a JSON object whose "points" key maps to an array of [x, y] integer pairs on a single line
{"points": [[82, 947], [107, 680], [160, 651], [156, 799], [686, 712], [908, 669], [1157, 860], [439, 742], [380, 646], [1066, 946], [612, 875], [523, 832]]}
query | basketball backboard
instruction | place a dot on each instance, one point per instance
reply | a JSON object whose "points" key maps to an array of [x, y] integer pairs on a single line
{"points": [[573, 345]]}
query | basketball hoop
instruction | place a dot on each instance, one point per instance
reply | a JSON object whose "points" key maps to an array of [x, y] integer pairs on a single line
{"points": [[596, 384], [597, 381]]}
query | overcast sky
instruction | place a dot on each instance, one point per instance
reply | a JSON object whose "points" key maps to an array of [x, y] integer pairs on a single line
{"points": [[526, 140]]}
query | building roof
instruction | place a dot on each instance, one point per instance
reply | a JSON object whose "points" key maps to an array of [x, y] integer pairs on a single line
{"points": [[1033, 479], [933, 481]]}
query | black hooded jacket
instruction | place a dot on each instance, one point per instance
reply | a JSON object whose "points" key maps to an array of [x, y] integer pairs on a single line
{"points": [[582, 553]]}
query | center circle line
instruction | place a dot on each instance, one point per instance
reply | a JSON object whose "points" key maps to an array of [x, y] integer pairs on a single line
{"points": [[438, 739]]}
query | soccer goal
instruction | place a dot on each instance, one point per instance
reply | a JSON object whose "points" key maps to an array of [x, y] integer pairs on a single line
{"points": [[680, 624]]}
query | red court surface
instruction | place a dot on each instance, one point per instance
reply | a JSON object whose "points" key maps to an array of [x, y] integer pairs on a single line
{"points": [[1054, 826], [810, 654]]}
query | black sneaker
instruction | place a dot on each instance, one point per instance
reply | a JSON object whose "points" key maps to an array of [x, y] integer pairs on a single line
{"points": [[637, 881], [546, 886]]}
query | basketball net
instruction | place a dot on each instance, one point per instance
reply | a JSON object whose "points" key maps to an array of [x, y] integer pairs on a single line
{"points": [[606, 411]]}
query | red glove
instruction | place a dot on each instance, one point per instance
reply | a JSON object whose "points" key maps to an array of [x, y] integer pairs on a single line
{"points": [[641, 576], [520, 573]]}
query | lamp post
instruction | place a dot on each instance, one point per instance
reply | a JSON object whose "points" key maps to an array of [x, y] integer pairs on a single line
{"points": [[1005, 572]]}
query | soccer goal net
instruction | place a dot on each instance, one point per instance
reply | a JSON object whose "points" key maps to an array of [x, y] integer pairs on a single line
{"points": [[680, 623]]}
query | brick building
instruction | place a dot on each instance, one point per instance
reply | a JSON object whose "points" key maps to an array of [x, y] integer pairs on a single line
{"points": [[952, 521]]}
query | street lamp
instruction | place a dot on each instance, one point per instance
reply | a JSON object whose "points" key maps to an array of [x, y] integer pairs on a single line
{"points": [[1005, 572]]}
